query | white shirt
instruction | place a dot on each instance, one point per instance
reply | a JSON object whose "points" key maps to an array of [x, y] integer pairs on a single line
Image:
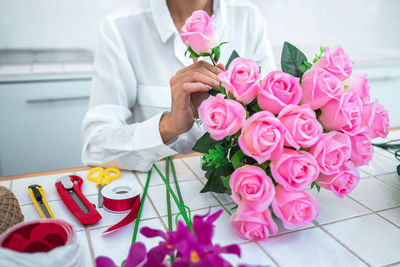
{"points": [[139, 50]]}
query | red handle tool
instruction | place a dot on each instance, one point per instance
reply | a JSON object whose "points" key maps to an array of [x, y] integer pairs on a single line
{"points": [[69, 189]]}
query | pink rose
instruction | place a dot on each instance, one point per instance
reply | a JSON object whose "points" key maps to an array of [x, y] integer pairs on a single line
{"points": [[221, 117], [199, 32], [277, 90], [358, 84], [343, 114], [262, 137], [252, 187], [302, 126], [361, 149], [241, 79], [252, 225], [295, 170], [343, 182], [294, 208], [337, 63], [319, 87], [332, 151], [376, 119]]}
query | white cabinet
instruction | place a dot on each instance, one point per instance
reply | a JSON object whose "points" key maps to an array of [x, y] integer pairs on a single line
{"points": [[41, 122]]}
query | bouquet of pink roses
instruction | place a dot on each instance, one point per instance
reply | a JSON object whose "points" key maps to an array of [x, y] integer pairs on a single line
{"points": [[269, 138]]}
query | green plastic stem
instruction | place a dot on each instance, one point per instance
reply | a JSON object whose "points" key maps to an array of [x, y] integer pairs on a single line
{"points": [[168, 195], [141, 207], [178, 204], [178, 190]]}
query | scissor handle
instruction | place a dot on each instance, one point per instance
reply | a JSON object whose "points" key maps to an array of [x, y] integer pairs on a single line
{"points": [[108, 178], [97, 179]]}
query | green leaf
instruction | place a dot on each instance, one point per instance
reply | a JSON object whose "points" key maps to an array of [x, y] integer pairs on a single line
{"points": [[265, 166], [217, 53], [316, 186], [214, 182], [236, 159], [222, 89], [303, 68], [253, 106], [231, 96], [205, 54], [216, 156], [291, 59], [225, 182], [203, 144], [232, 57], [308, 64], [233, 151], [213, 92], [192, 53], [318, 112], [398, 170]]}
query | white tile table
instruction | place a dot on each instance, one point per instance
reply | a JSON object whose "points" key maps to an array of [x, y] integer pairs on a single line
{"points": [[363, 229]]}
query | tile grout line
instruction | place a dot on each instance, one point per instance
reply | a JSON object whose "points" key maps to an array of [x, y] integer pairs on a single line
{"points": [[225, 208], [313, 227], [344, 219], [376, 212], [294, 231], [151, 201], [199, 209], [384, 153], [89, 240], [342, 244], [385, 182], [219, 201], [266, 253], [108, 225], [391, 264]]}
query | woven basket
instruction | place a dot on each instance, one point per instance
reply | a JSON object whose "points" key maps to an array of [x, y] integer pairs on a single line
{"points": [[10, 212]]}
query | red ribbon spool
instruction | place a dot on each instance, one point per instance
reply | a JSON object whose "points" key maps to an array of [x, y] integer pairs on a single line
{"points": [[120, 199]]}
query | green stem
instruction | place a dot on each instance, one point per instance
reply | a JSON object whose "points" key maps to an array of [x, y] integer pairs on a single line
{"points": [[141, 207], [178, 204], [178, 190], [212, 60], [168, 197], [172, 258]]}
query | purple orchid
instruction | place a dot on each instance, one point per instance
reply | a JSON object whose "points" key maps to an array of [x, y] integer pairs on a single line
{"points": [[136, 255], [193, 248]]}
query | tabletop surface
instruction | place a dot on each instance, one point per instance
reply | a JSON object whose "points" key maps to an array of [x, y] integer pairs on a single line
{"points": [[362, 229]]}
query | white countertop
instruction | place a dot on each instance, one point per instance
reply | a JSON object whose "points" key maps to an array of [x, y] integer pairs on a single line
{"points": [[360, 230]]}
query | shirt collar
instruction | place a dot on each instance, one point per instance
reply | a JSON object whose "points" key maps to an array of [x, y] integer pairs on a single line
{"points": [[165, 25]]}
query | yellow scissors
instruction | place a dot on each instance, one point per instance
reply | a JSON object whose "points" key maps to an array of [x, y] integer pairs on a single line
{"points": [[102, 178]]}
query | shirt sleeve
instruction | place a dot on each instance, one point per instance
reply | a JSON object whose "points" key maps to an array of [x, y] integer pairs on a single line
{"points": [[262, 50], [107, 136]]}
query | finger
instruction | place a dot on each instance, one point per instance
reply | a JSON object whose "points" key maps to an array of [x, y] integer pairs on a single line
{"points": [[208, 73], [199, 77], [202, 64], [221, 66], [214, 69], [195, 87]]}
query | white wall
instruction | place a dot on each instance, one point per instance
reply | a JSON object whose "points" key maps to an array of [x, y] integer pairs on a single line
{"points": [[368, 29]]}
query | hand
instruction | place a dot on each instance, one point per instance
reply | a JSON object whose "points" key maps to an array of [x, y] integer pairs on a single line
{"points": [[189, 87]]}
